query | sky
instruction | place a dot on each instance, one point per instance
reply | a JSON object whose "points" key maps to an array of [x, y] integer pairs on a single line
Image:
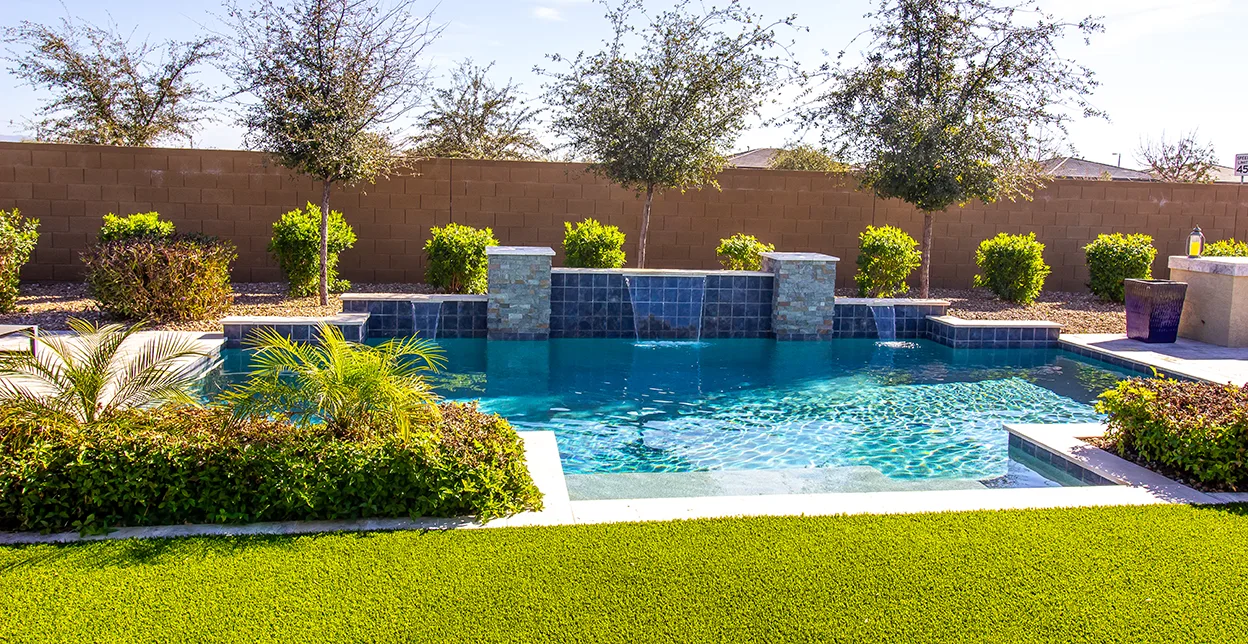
{"points": [[1169, 66]]}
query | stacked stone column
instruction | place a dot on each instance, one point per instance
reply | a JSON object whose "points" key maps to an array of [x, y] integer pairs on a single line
{"points": [[519, 292], [804, 296]]}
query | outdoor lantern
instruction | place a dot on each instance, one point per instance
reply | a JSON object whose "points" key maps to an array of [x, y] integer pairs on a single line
{"points": [[1195, 243]]}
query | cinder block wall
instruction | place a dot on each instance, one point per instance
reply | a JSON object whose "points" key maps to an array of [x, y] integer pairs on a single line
{"points": [[238, 195]]}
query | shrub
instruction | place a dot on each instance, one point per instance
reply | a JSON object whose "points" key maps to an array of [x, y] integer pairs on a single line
{"points": [[457, 260], [184, 277], [187, 465], [296, 243], [1012, 267], [138, 225], [1114, 258], [886, 257], [741, 252], [1199, 429], [18, 236], [1227, 248], [589, 244], [352, 388], [806, 158]]}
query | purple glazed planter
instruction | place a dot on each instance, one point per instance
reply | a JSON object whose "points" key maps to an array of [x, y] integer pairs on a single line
{"points": [[1153, 309]]}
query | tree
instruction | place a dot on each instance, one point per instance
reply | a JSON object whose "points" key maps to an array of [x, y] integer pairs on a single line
{"points": [[329, 78], [1185, 160], [951, 100], [663, 116], [105, 89], [806, 158], [475, 119]]}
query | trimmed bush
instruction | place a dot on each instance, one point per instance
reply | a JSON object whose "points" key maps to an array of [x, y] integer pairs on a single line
{"points": [[457, 260], [1114, 258], [187, 465], [18, 236], [136, 226], [886, 257], [590, 244], [1197, 428], [741, 252], [1227, 248], [1012, 267], [296, 244], [183, 277]]}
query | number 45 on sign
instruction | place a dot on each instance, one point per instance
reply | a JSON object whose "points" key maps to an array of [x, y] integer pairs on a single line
{"points": [[1241, 166]]}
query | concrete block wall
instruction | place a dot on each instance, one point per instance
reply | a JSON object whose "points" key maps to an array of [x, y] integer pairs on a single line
{"points": [[238, 195]]}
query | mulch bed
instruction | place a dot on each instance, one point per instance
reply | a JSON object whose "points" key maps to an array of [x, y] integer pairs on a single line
{"points": [[50, 304]]}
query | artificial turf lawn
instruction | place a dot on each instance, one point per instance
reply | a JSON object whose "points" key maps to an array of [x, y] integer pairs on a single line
{"points": [[1170, 573]]}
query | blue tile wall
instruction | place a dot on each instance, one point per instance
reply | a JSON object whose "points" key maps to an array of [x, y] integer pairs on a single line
{"points": [[236, 335], [667, 308], [962, 337], [1070, 467], [426, 318], [590, 305], [857, 320], [737, 306]]}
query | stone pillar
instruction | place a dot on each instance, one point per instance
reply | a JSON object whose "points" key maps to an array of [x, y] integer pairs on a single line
{"points": [[519, 292], [804, 297], [1215, 309]]}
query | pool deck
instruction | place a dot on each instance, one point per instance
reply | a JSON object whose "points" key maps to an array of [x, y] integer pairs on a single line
{"points": [[1189, 358]]}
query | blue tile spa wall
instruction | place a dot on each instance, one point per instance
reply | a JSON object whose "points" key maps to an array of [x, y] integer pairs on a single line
{"points": [[859, 321], [429, 318], [988, 337], [237, 334], [681, 307]]}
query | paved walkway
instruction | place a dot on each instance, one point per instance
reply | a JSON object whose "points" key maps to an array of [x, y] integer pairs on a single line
{"points": [[1187, 357]]}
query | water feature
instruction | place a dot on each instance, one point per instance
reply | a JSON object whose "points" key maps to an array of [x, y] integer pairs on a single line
{"points": [[885, 321], [425, 318], [667, 307]]}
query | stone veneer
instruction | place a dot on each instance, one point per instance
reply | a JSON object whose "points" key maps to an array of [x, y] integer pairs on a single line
{"points": [[804, 295], [519, 292]]}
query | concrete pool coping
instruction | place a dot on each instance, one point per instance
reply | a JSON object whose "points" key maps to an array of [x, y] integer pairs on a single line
{"points": [[1137, 486]]}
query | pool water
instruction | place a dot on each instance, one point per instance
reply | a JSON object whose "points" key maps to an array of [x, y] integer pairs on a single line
{"points": [[757, 416]]}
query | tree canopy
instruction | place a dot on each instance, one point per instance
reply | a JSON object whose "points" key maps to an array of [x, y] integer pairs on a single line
{"points": [[328, 79], [473, 118], [953, 101], [106, 89], [1183, 160], [664, 101], [807, 158]]}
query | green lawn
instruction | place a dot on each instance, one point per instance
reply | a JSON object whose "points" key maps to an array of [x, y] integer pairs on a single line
{"points": [[1091, 575]]}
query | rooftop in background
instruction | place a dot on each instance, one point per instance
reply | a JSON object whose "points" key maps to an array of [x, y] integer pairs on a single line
{"points": [[752, 158], [1074, 168]]}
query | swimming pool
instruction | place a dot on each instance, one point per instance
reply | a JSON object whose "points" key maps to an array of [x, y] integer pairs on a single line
{"points": [[639, 419]]}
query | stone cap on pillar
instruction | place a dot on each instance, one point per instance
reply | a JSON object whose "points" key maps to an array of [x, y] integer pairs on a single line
{"points": [[1233, 266], [799, 257], [520, 250]]}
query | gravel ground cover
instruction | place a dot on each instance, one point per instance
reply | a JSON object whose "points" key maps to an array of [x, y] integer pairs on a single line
{"points": [[50, 304]]}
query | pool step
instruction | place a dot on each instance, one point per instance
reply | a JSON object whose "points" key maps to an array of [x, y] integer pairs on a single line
{"points": [[647, 485]]}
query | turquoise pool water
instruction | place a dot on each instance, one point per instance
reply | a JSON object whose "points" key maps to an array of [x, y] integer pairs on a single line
{"points": [[905, 413]]}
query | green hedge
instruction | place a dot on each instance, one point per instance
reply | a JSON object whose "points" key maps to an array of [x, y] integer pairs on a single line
{"points": [[1114, 258], [590, 244], [183, 277], [1012, 267], [18, 237], [1227, 248], [135, 226], [1199, 429], [178, 465], [296, 244], [742, 252]]}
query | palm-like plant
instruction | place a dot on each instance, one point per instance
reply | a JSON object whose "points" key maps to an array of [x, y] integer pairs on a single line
{"points": [[349, 386], [90, 376]]}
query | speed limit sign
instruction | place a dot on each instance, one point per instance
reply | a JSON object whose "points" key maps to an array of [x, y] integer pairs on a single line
{"points": [[1241, 165]]}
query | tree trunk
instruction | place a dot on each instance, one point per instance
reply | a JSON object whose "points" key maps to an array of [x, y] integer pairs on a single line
{"points": [[925, 267], [645, 228], [325, 243]]}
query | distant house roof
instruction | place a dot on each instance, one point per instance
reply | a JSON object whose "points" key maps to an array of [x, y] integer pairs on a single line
{"points": [[759, 158], [1223, 174], [1074, 168]]}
